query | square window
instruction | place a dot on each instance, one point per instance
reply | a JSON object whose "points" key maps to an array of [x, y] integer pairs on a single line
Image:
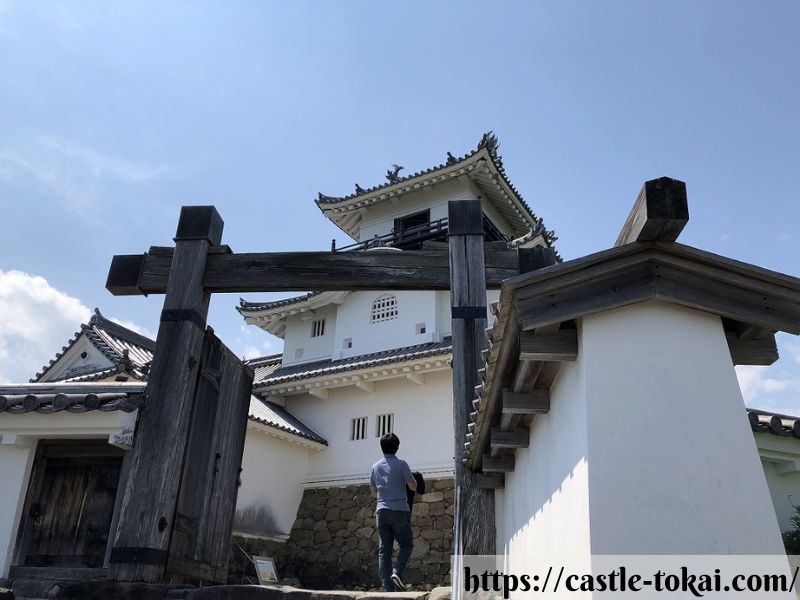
{"points": [[421, 328], [347, 343]]}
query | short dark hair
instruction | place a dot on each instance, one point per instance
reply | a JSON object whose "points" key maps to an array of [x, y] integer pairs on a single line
{"points": [[390, 443]]}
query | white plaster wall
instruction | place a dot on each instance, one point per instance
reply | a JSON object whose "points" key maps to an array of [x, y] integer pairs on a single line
{"points": [[423, 421], [298, 335], [353, 321], [673, 467], [784, 490], [15, 468], [543, 512], [94, 360], [379, 218], [64, 424], [272, 472]]}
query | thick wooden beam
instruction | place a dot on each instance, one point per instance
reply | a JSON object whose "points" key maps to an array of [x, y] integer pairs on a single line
{"points": [[499, 464], [659, 214], [559, 346], [148, 508], [518, 438], [426, 269], [528, 403], [752, 351], [467, 280], [488, 482]]}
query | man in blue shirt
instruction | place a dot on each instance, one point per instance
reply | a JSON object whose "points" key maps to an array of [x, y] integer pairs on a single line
{"points": [[388, 482]]}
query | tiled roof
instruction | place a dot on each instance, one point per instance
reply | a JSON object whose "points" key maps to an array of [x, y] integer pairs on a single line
{"points": [[488, 143], [70, 397], [264, 366], [245, 306], [319, 368], [276, 416], [762, 421], [126, 349]]}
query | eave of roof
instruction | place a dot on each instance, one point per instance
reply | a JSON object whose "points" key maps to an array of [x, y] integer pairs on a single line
{"points": [[328, 367], [666, 271], [336, 208], [270, 414], [762, 421], [270, 316], [46, 398]]}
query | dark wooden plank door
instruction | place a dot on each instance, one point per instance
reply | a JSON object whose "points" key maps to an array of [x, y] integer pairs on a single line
{"points": [[201, 538], [71, 505]]}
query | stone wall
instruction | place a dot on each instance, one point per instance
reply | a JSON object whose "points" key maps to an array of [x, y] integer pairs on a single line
{"points": [[334, 543]]}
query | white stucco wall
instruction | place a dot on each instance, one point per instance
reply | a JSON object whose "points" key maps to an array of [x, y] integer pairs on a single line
{"points": [[780, 458], [423, 420], [784, 489], [298, 335], [379, 218], [16, 458], [353, 321], [646, 449], [544, 510], [272, 472], [95, 360], [673, 466]]}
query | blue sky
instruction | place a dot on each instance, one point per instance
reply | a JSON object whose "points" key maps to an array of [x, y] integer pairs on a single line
{"points": [[114, 115]]}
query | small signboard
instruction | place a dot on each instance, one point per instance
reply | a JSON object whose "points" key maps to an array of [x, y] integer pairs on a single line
{"points": [[265, 569]]}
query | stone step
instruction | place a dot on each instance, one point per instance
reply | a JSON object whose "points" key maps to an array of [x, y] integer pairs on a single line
{"points": [[282, 592]]}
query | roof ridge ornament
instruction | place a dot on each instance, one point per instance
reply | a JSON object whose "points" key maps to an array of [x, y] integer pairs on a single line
{"points": [[392, 174], [490, 142], [359, 189], [451, 160]]}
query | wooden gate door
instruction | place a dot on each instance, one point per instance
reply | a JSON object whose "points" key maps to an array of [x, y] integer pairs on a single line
{"points": [[201, 538], [70, 504]]}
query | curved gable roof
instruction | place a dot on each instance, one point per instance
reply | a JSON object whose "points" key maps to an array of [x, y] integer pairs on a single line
{"points": [[483, 165]]}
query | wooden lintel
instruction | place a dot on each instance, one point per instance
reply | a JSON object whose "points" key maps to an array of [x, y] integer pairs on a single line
{"points": [[752, 351], [487, 482], [498, 464], [528, 403], [518, 438], [559, 346], [660, 213], [427, 269]]}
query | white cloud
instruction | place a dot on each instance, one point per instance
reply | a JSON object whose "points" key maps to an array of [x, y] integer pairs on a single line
{"points": [[36, 320], [134, 327], [251, 352]]}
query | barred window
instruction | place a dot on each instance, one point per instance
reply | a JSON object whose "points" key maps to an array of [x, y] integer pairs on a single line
{"points": [[384, 425], [318, 328], [358, 428], [384, 308]]}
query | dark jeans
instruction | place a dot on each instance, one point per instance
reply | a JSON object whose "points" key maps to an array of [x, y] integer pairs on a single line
{"points": [[393, 525]]}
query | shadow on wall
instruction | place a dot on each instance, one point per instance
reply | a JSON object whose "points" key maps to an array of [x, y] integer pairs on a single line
{"points": [[256, 520]]}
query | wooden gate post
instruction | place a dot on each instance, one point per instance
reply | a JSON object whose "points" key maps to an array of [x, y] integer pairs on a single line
{"points": [[148, 507], [468, 306]]}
